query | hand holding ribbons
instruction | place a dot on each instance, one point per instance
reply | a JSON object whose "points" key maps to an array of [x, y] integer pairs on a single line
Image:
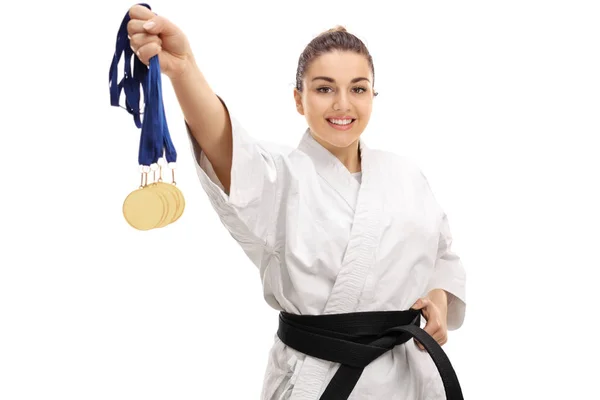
{"points": [[156, 204]]}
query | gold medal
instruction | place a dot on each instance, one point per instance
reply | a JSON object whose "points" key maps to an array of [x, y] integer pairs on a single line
{"points": [[170, 200], [153, 205], [143, 209], [180, 204], [166, 206], [171, 188]]}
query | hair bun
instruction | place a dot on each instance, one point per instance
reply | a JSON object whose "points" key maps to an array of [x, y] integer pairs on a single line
{"points": [[338, 28]]}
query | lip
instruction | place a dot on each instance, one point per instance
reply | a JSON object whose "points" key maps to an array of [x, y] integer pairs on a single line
{"points": [[342, 127], [342, 117]]}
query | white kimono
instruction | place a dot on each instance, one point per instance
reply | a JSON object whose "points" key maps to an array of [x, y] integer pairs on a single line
{"points": [[324, 243]]}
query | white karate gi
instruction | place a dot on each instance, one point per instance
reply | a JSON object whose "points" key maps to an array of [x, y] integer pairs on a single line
{"points": [[324, 243]]}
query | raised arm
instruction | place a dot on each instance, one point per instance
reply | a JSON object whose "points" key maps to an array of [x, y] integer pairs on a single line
{"points": [[207, 119], [206, 116]]}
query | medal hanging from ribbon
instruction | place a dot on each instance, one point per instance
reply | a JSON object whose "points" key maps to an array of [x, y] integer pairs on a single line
{"points": [[154, 204]]}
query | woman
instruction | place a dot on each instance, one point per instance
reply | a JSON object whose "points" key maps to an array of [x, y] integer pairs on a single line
{"points": [[333, 226]]}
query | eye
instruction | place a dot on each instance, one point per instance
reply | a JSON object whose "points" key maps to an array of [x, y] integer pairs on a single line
{"points": [[326, 89]]}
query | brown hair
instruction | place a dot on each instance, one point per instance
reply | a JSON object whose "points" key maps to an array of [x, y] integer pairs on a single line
{"points": [[337, 38]]}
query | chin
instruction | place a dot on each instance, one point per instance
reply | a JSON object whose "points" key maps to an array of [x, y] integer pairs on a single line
{"points": [[338, 139]]}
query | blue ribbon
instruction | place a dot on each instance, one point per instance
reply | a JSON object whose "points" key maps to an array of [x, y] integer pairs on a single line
{"points": [[155, 139]]}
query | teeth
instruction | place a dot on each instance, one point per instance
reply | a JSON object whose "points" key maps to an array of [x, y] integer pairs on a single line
{"points": [[340, 121]]}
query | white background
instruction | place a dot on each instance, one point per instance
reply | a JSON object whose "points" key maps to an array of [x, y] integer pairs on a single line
{"points": [[497, 101]]}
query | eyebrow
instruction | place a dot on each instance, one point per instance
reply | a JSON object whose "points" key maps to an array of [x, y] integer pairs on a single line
{"points": [[328, 79]]}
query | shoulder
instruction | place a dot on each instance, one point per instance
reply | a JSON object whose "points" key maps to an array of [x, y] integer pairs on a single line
{"points": [[290, 163]]}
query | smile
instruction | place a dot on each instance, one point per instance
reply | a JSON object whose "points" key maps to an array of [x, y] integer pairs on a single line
{"points": [[341, 124]]}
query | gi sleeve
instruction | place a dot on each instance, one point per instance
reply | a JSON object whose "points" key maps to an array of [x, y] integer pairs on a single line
{"points": [[248, 211], [449, 275]]}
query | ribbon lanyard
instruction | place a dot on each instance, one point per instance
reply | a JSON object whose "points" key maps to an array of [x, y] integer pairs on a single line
{"points": [[156, 204], [155, 139]]}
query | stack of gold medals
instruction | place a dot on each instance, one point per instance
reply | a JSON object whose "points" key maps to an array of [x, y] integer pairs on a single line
{"points": [[154, 204]]}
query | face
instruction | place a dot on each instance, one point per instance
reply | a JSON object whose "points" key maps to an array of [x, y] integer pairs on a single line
{"points": [[337, 98]]}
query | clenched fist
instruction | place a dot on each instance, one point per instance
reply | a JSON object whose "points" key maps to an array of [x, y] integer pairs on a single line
{"points": [[151, 34], [435, 310]]}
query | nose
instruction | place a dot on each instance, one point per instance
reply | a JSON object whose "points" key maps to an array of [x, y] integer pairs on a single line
{"points": [[341, 101]]}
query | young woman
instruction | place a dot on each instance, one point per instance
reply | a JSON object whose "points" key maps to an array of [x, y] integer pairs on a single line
{"points": [[333, 226]]}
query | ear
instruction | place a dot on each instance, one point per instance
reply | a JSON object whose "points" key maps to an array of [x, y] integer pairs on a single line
{"points": [[298, 101]]}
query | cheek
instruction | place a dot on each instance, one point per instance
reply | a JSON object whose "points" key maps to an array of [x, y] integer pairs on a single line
{"points": [[315, 107], [364, 109]]}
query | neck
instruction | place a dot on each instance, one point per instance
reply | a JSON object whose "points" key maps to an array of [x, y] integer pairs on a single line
{"points": [[349, 156]]}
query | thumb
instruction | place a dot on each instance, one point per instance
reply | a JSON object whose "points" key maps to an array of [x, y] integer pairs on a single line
{"points": [[159, 24]]}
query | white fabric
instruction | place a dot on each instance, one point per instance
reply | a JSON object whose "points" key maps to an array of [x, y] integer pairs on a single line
{"points": [[325, 243]]}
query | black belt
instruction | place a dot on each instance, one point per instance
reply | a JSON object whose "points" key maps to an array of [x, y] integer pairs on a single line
{"points": [[356, 339]]}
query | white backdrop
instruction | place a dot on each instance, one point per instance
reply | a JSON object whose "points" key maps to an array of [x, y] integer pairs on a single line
{"points": [[497, 101]]}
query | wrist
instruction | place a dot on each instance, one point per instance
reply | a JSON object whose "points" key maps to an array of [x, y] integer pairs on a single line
{"points": [[440, 298], [189, 70]]}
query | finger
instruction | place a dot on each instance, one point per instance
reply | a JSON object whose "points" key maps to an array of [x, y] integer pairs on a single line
{"points": [[141, 12], [420, 304], [432, 326], [139, 40], [135, 26], [441, 340], [160, 25], [440, 336], [147, 51], [148, 21], [419, 345]]}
